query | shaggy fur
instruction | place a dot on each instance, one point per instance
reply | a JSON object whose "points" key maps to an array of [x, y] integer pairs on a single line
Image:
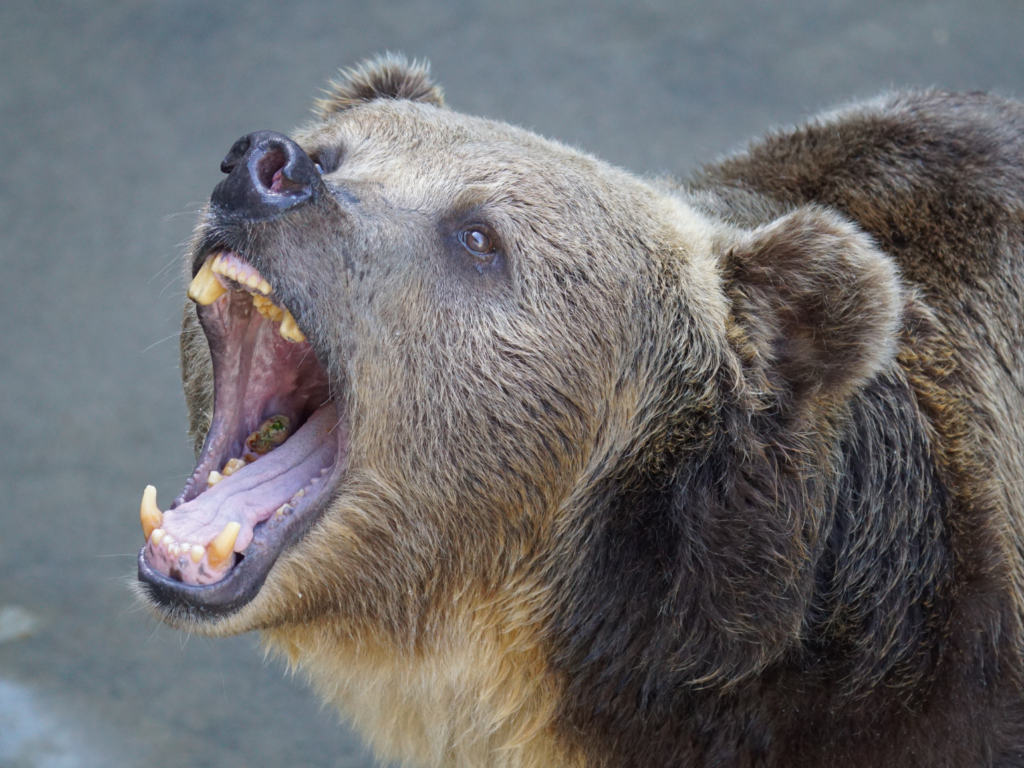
{"points": [[718, 474]]}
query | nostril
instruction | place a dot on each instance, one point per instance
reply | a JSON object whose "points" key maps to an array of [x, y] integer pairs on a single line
{"points": [[269, 167]]}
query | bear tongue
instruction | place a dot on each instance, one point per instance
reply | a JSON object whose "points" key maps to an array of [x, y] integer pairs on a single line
{"points": [[248, 497]]}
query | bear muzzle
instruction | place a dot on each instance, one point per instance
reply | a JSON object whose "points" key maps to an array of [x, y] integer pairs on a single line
{"points": [[268, 174]]}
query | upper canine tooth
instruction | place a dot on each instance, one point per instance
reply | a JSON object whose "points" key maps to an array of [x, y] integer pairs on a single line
{"points": [[205, 288], [289, 329], [149, 512]]}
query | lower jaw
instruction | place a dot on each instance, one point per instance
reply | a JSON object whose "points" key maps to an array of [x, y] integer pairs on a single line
{"points": [[244, 580]]}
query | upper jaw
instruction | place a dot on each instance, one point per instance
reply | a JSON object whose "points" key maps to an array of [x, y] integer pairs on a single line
{"points": [[211, 577]]}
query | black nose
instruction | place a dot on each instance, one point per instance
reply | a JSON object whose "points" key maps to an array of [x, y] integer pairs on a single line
{"points": [[267, 173]]}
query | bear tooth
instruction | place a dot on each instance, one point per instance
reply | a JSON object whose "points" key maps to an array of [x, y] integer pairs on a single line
{"points": [[197, 552], [289, 330], [232, 466], [149, 512], [264, 287], [157, 536], [213, 478], [205, 288], [253, 282], [220, 549]]}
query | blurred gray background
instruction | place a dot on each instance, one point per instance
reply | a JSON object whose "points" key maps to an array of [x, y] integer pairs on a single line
{"points": [[114, 117]]}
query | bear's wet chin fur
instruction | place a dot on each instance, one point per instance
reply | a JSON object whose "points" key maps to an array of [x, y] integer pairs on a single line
{"points": [[629, 473]]}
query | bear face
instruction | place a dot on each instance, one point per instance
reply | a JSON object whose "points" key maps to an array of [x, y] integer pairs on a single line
{"points": [[519, 454]]}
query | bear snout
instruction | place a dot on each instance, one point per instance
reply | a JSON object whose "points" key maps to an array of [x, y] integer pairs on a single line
{"points": [[268, 174]]}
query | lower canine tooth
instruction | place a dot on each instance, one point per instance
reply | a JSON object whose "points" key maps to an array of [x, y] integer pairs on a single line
{"points": [[205, 288], [149, 512], [220, 549], [290, 330]]}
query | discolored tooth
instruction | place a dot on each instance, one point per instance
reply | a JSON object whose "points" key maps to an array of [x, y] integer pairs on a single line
{"points": [[149, 512], [157, 536], [205, 288], [232, 466], [213, 478], [197, 552], [231, 271], [220, 549], [264, 287], [253, 282], [289, 330]]}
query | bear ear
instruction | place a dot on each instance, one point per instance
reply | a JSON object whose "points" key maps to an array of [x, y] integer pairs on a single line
{"points": [[389, 76], [816, 306]]}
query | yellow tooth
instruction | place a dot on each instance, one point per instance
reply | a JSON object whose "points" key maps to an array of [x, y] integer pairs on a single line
{"points": [[264, 287], [213, 478], [157, 536], [219, 550], [197, 552], [289, 330], [231, 271], [205, 288], [253, 282], [149, 512], [232, 466]]}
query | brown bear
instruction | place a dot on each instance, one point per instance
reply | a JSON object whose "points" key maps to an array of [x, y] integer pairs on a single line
{"points": [[527, 461]]}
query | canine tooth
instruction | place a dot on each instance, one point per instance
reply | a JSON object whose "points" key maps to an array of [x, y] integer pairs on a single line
{"points": [[197, 552], [232, 466], [205, 288], [221, 547], [264, 287], [156, 536], [289, 330], [149, 512], [213, 478]]}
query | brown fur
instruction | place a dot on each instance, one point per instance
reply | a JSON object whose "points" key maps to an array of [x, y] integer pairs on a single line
{"points": [[725, 474]]}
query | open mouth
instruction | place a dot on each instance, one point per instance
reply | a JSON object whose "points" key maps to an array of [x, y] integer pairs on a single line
{"points": [[275, 450]]}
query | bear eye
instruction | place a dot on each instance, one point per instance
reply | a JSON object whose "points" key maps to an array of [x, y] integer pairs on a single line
{"points": [[478, 241]]}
